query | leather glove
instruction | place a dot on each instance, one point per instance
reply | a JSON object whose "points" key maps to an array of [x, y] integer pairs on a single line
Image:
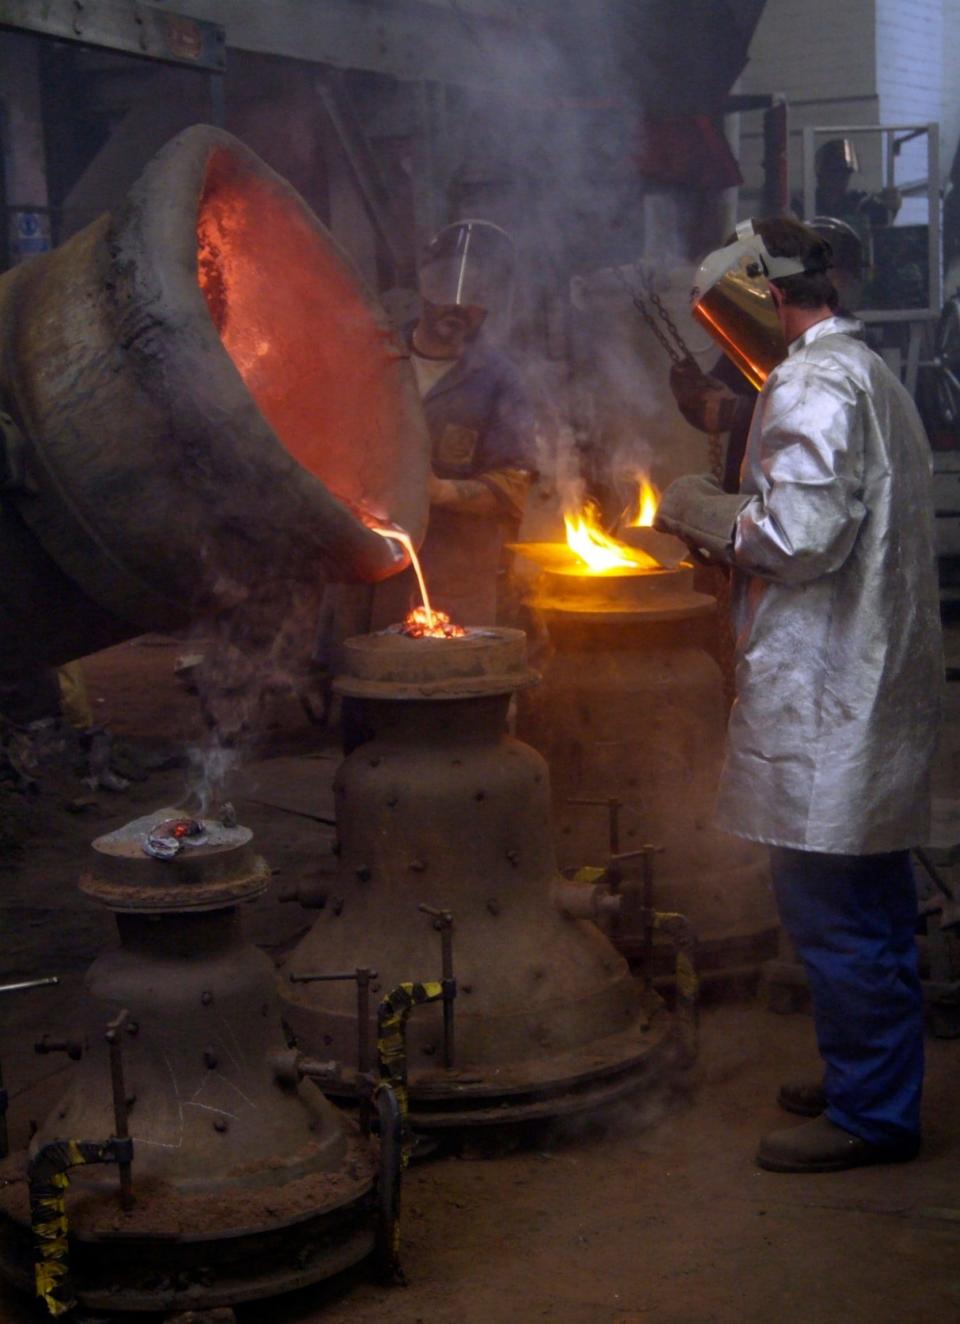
{"points": [[705, 402], [696, 509]]}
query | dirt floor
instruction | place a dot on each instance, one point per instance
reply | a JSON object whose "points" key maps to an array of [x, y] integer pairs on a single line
{"points": [[653, 1214]]}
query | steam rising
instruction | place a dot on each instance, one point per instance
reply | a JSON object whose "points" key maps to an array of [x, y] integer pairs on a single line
{"points": [[548, 143], [247, 661], [554, 155]]}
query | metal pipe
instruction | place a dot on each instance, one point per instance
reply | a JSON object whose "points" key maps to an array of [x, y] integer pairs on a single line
{"points": [[584, 900], [389, 1179], [613, 807], [4, 1104], [30, 983], [678, 930], [364, 975], [443, 922], [120, 1114]]}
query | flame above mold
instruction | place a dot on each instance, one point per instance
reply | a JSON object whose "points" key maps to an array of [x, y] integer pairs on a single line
{"points": [[648, 498], [599, 552], [589, 550]]}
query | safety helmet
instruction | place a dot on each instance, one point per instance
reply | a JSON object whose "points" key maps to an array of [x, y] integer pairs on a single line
{"points": [[470, 262], [731, 298], [845, 244]]}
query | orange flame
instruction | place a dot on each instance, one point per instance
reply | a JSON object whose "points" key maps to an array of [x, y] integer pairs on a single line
{"points": [[648, 498], [600, 553]]}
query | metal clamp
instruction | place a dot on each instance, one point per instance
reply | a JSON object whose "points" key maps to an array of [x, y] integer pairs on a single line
{"points": [[613, 807], [679, 932], [637, 903], [392, 1016], [443, 923], [47, 1174], [363, 975], [72, 1047], [389, 1182], [120, 1110]]}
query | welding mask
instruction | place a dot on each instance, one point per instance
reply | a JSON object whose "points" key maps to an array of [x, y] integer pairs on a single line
{"points": [[470, 263], [731, 298]]}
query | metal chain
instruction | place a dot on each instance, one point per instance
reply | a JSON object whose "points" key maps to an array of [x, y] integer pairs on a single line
{"points": [[678, 352], [671, 325]]}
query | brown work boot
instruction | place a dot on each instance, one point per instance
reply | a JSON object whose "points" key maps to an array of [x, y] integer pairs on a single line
{"points": [[804, 1098], [822, 1146]]}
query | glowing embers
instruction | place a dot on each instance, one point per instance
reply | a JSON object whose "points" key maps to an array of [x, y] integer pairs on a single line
{"points": [[421, 624], [168, 837]]}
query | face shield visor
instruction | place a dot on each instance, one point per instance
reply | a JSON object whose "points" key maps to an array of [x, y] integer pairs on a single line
{"points": [[838, 156], [470, 263], [731, 298]]}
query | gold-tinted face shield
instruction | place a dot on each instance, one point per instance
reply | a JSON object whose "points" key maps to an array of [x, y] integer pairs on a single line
{"points": [[740, 314], [732, 299]]}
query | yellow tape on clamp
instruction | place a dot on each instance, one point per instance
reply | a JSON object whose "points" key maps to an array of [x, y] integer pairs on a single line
{"points": [[49, 1275], [75, 1158], [49, 1227], [391, 1045], [588, 874]]}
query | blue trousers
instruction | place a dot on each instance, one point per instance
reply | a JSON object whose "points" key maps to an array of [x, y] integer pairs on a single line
{"points": [[852, 920]]}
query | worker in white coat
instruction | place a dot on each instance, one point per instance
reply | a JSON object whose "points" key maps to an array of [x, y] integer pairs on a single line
{"points": [[839, 674]]}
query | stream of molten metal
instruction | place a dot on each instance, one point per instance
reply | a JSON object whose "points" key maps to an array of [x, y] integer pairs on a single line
{"points": [[423, 621]]}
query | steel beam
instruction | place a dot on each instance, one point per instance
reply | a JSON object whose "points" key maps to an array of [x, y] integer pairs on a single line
{"points": [[364, 167], [123, 25], [411, 40]]}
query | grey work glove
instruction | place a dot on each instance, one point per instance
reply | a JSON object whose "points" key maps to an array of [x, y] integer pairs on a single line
{"points": [[696, 509]]}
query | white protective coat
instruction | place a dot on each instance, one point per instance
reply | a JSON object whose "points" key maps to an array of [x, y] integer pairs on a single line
{"points": [[836, 609]]}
